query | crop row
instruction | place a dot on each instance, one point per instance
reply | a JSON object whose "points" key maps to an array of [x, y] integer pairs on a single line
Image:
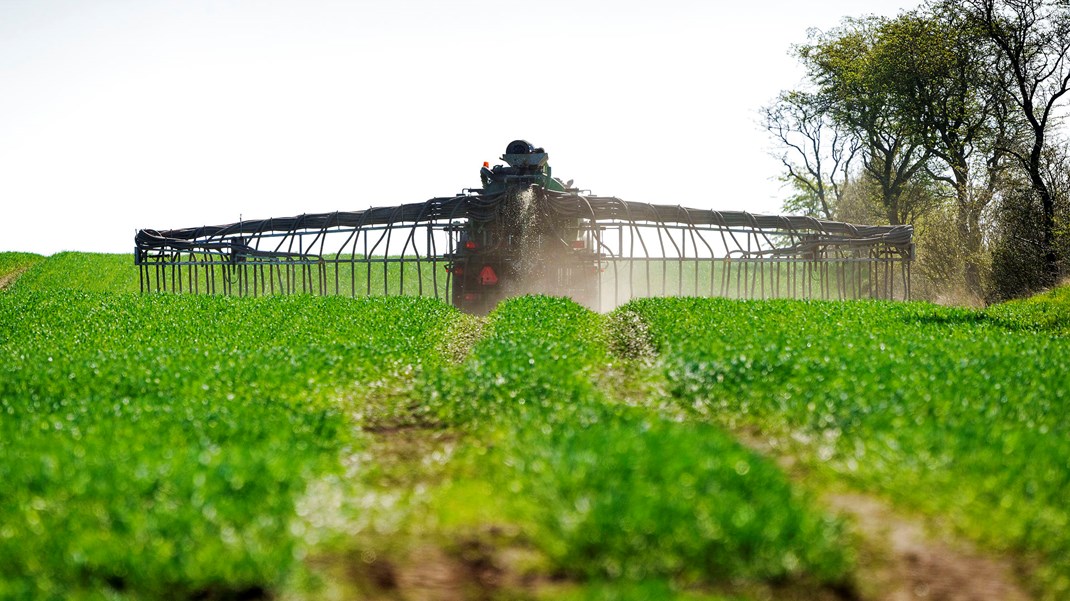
{"points": [[955, 413], [614, 492]]}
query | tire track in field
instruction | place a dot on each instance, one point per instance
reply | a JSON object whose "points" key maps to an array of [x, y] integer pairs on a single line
{"points": [[408, 449], [9, 279], [900, 561]]}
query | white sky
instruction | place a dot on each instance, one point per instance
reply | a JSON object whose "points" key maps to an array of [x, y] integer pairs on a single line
{"points": [[117, 115]]}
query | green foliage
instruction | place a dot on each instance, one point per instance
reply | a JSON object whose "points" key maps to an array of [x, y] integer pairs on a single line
{"points": [[630, 495], [12, 262], [155, 446], [956, 413], [536, 361], [1017, 249], [816, 157], [803, 200], [612, 491], [94, 272]]}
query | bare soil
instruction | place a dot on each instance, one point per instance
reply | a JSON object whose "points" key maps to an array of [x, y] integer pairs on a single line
{"points": [[907, 564], [10, 278]]}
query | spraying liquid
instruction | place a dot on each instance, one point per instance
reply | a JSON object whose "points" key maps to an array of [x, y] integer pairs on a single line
{"points": [[540, 249], [527, 226]]}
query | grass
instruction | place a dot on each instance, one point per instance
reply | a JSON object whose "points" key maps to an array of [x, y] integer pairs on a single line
{"points": [[624, 279], [333, 276], [1048, 312], [95, 272], [88, 272], [961, 415], [620, 280], [160, 445]]}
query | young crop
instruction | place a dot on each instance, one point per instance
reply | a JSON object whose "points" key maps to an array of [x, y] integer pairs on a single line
{"points": [[1048, 312], [609, 491], [956, 413], [156, 446], [12, 263], [88, 272]]}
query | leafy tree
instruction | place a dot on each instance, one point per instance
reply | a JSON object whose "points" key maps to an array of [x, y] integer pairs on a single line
{"points": [[934, 63], [1032, 42], [844, 65], [955, 103], [1018, 254]]}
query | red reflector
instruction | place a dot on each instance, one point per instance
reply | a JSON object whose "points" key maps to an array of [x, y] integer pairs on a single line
{"points": [[487, 277], [579, 244], [458, 270], [471, 245], [470, 296]]}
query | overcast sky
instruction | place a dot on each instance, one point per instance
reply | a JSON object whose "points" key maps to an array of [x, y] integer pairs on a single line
{"points": [[116, 116]]}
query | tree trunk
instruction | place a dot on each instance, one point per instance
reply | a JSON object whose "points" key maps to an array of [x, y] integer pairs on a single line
{"points": [[1047, 224], [969, 221], [891, 203]]}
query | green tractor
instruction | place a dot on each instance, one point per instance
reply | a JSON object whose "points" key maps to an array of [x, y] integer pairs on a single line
{"points": [[525, 248]]}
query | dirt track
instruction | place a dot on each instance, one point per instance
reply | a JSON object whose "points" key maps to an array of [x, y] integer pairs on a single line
{"points": [[10, 278], [911, 565]]}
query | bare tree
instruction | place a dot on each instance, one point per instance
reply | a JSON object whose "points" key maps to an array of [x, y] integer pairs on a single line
{"points": [[816, 155]]}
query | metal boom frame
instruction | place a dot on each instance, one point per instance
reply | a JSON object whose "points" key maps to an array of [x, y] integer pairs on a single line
{"points": [[630, 249]]}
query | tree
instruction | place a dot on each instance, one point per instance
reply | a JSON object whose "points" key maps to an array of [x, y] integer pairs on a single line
{"points": [[816, 155], [844, 65], [1032, 41], [935, 63], [1018, 252]]}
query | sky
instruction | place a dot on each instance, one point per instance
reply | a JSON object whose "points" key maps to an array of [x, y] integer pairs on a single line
{"points": [[121, 115]]}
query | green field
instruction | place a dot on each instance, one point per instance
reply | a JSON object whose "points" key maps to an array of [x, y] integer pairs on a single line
{"points": [[91, 272], [182, 447], [88, 272], [959, 414], [334, 275]]}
